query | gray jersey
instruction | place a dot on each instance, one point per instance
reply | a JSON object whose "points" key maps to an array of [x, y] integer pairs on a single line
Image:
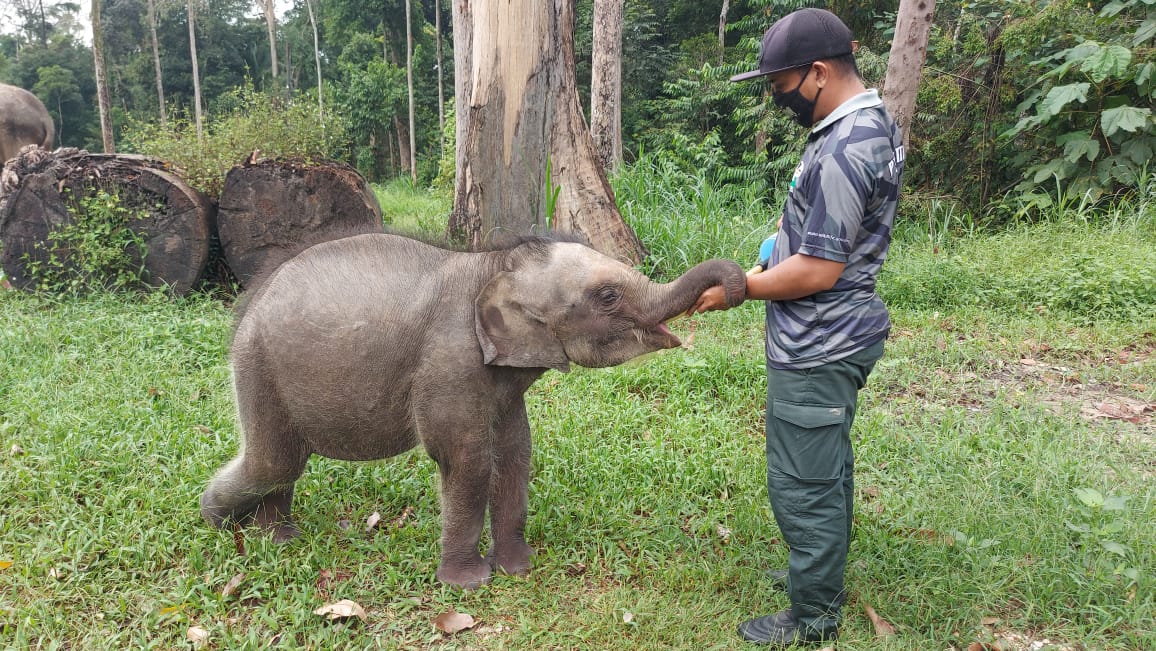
{"points": [[840, 207]]}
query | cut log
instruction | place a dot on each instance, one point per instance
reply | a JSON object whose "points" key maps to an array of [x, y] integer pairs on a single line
{"points": [[273, 208], [42, 188]]}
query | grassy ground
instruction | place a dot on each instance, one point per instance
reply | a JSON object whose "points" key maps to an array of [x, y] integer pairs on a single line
{"points": [[1005, 478]]}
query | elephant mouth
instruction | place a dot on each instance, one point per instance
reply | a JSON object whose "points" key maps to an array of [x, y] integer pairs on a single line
{"points": [[662, 332]]}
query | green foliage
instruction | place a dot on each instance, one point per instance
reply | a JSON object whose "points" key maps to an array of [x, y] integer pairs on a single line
{"points": [[410, 210], [96, 248], [250, 121], [1090, 124], [675, 203]]}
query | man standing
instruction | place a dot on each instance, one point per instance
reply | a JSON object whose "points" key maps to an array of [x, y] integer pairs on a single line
{"points": [[825, 323]]}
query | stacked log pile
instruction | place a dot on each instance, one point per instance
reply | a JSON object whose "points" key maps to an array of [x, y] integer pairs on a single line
{"points": [[267, 211]]}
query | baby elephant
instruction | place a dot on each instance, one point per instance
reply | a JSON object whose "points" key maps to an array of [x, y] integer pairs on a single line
{"points": [[364, 347]]}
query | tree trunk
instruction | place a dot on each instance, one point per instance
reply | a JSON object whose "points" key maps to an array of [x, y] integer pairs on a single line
{"points": [[102, 100], [441, 95], [606, 83], [317, 62], [722, 32], [517, 110], [271, 26], [152, 18], [409, 84], [196, 72], [173, 219], [905, 64], [271, 209]]}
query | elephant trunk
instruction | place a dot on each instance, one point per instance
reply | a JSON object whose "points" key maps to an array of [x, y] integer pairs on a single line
{"points": [[669, 300]]}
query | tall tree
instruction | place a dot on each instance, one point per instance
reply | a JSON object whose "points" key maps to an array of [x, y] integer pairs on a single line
{"points": [[271, 24], [722, 31], [152, 20], [518, 116], [606, 82], [409, 86], [316, 62], [196, 71], [441, 95], [905, 65], [101, 80]]}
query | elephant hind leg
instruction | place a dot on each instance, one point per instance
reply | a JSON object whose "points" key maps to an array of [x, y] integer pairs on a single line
{"points": [[240, 495]]}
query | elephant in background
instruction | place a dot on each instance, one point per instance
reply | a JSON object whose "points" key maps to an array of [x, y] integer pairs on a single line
{"points": [[23, 121], [365, 347]]}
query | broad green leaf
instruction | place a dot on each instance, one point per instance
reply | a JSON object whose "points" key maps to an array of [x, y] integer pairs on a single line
{"points": [[1112, 8], [1139, 150], [1144, 74], [1116, 503], [1145, 32], [1079, 145], [1078, 528], [1053, 168], [1060, 96], [1105, 62], [1090, 497], [1114, 547], [1126, 118]]}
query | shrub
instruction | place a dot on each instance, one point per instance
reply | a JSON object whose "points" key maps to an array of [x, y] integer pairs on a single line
{"points": [[249, 121]]}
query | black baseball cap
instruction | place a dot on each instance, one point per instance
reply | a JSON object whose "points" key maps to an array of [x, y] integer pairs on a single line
{"points": [[801, 37]]}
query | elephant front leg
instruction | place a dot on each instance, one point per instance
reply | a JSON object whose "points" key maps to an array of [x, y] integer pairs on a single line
{"points": [[465, 482], [509, 487]]}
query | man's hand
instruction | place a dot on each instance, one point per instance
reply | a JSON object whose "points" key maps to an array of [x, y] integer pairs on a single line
{"points": [[714, 298]]}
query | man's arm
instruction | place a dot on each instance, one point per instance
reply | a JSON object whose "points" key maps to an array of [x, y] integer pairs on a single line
{"points": [[797, 276]]}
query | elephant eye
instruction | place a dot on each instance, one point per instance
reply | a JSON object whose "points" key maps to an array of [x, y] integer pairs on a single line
{"points": [[608, 296]]}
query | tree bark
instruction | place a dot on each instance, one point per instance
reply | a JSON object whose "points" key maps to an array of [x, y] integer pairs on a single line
{"points": [[173, 219], [606, 83], [152, 18], [409, 85], [905, 64], [196, 72], [271, 209], [722, 32], [517, 109], [441, 95], [317, 62], [102, 100], [271, 26]]}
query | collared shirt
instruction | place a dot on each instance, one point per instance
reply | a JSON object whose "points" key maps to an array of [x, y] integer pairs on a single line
{"points": [[841, 206]]}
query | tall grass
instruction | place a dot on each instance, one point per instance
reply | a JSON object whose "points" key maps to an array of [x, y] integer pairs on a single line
{"points": [[991, 508]]}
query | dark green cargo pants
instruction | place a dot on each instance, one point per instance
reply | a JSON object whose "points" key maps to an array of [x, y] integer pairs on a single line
{"points": [[809, 477]]}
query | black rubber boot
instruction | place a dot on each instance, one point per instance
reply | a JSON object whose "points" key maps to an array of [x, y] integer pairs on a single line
{"points": [[782, 630]]}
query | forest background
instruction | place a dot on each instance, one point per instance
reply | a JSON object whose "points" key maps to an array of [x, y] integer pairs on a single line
{"points": [[1021, 102]]}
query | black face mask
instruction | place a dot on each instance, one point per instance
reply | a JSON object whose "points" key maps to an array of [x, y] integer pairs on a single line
{"points": [[793, 100]]}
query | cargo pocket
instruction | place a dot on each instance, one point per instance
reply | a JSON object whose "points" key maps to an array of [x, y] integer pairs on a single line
{"points": [[806, 441]]}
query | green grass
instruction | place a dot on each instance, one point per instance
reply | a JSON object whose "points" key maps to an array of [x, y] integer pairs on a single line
{"points": [[647, 501]]}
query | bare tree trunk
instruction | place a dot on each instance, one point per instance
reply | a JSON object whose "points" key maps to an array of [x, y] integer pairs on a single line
{"points": [[606, 83], [101, 80], [317, 62], [517, 108], [722, 32], [409, 84], [441, 96], [152, 18], [196, 72], [905, 65], [271, 25]]}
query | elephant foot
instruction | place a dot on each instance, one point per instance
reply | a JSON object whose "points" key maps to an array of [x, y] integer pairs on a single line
{"points": [[511, 558], [469, 576]]}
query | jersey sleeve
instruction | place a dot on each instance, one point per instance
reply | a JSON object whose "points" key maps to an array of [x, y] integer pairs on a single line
{"points": [[832, 224]]}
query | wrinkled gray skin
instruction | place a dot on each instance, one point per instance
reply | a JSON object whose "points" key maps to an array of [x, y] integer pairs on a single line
{"points": [[23, 121], [364, 347]]}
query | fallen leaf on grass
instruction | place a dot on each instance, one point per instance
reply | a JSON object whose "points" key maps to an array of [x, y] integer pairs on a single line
{"points": [[232, 585], [627, 617], [983, 646], [198, 636], [372, 521], [16, 450], [399, 522], [343, 609], [1122, 409], [883, 628], [5, 565], [451, 622], [724, 534]]}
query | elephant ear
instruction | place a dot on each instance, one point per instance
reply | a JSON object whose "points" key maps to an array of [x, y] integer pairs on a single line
{"points": [[511, 334]]}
